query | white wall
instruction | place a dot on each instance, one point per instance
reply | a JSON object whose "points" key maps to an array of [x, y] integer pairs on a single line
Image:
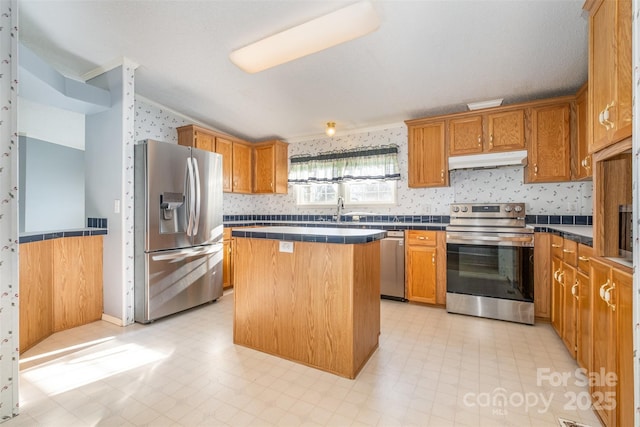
{"points": [[51, 124]]}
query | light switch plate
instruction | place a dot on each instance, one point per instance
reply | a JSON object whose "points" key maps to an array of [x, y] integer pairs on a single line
{"points": [[286, 247]]}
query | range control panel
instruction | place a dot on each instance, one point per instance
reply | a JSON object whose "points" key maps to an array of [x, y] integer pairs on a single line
{"points": [[488, 210]]}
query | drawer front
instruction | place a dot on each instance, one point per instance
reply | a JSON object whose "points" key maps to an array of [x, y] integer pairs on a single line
{"points": [[584, 254], [557, 244], [421, 237], [570, 252]]}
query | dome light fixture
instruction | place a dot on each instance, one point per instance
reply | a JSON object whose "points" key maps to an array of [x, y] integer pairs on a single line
{"points": [[331, 128]]}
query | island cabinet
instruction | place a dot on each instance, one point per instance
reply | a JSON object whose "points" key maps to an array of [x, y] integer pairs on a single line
{"points": [[427, 154], [270, 167], [60, 286], [312, 302], [485, 133], [425, 266], [549, 151], [612, 340], [610, 71]]}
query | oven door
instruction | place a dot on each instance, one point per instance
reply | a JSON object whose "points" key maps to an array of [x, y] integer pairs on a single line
{"points": [[487, 268]]}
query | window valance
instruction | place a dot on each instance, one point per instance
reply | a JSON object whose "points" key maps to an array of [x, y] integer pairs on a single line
{"points": [[371, 163]]}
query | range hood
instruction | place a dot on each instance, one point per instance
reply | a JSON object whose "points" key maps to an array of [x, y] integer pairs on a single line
{"points": [[489, 160]]}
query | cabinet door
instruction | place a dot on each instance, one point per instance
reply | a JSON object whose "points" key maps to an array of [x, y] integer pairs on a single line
{"points": [[204, 141], [610, 72], [428, 165], [583, 321], [569, 286], [543, 272], [557, 296], [604, 343], [264, 169], [582, 157], [550, 150], [225, 148], [506, 131], [241, 168], [465, 135], [227, 264], [622, 298], [421, 273]]}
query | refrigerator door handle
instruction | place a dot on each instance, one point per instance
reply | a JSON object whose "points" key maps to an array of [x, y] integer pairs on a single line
{"points": [[191, 196], [196, 173], [188, 253]]}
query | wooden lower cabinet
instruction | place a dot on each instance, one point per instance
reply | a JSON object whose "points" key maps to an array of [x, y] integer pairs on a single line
{"points": [[612, 340], [583, 321], [569, 308], [425, 266], [227, 259], [542, 276], [60, 286], [557, 296]]}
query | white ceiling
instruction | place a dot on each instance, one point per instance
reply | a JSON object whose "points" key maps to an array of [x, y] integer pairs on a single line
{"points": [[427, 57]]}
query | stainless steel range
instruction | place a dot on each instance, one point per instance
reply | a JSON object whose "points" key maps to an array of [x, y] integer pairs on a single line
{"points": [[490, 262]]}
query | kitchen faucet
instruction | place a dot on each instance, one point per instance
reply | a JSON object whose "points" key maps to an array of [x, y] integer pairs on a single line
{"points": [[339, 208]]}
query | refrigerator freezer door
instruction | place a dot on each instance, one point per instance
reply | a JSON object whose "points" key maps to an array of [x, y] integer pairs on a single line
{"points": [[174, 281], [161, 175], [207, 168]]}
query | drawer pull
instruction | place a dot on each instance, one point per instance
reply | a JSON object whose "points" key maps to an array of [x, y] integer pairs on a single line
{"points": [[567, 251], [583, 258], [553, 245]]}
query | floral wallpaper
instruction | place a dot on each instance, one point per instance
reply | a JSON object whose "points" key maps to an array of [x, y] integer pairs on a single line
{"points": [[128, 138], [9, 302], [504, 184]]}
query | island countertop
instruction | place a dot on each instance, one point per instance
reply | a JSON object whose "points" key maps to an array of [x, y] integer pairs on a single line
{"points": [[312, 234]]}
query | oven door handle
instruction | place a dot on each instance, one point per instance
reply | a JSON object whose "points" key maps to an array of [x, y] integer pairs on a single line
{"points": [[488, 239]]}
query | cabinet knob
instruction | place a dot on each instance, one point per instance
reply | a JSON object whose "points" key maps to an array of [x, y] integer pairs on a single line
{"points": [[535, 169], [433, 258], [479, 140], [491, 140], [442, 175]]}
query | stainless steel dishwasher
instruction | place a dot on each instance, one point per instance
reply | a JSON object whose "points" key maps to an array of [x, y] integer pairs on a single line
{"points": [[392, 266]]}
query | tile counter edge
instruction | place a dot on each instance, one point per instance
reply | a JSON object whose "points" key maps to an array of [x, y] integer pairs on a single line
{"points": [[81, 232], [317, 235]]}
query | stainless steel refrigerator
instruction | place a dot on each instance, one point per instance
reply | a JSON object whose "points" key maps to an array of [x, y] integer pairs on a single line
{"points": [[178, 228]]}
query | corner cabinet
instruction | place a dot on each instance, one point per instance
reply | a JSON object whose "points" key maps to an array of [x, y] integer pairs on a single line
{"points": [[428, 165], [549, 155], [425, 266], [270, 167], [610, 71]]}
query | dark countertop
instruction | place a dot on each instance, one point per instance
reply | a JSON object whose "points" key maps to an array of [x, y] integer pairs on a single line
{"points": [[577, 233], [312, 234], [47, 235]]}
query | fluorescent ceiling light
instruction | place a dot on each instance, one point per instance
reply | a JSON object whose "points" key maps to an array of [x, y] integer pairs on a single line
{"points": [[485, 104], [318, 34]]}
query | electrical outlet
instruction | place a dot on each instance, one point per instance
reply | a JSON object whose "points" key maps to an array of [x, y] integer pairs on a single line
{"points": [[355, 218], [572, 207], [286, 247]]}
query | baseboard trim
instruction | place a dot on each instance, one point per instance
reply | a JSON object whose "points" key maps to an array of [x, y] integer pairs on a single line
{"points": [[112, 319]]}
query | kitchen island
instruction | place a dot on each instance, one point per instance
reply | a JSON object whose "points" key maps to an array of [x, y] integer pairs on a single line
{"points": [[310, 295]]}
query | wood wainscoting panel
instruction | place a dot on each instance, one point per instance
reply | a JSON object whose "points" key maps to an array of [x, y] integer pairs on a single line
{"points": [[318, 305], [36, 311], [77, 281]]}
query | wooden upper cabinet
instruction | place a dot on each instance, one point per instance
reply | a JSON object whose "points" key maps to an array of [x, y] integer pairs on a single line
{"points": [[241, 175], [610, 79], [485, 133], [270, 167], [581, 157], [505, 131], [428, 165], [465, 135], [224, 147], [197, 137], [549, 156]]}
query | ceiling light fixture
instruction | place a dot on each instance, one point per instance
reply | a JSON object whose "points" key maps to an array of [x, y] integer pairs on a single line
{"points": [[313, 36], [331, 128]]}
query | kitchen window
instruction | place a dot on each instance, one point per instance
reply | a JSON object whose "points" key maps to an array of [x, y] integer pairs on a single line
{"points": [[362, 176], [354, 193]]}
